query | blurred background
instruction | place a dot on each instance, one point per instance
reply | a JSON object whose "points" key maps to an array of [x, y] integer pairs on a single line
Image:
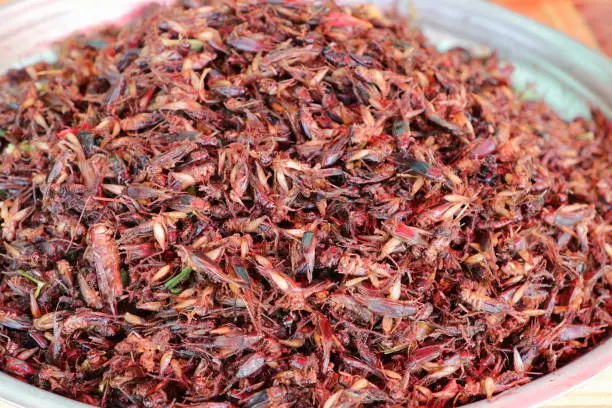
{"points": [[588, 21]]}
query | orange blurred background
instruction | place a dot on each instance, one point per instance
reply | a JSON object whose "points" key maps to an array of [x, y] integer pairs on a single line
{"points": [[588, 21]]}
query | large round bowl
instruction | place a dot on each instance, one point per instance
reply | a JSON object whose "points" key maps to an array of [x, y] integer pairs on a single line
{"points": [[568, 75]]}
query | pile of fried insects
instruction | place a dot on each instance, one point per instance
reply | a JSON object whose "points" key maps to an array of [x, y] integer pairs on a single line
{"points": [[288, 203]]}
